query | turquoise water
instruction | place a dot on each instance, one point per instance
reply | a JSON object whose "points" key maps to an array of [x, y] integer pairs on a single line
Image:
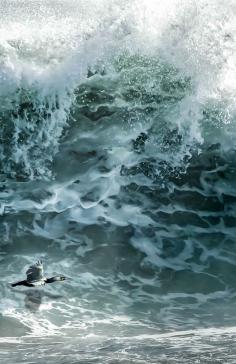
{"points": [[118, 171]]}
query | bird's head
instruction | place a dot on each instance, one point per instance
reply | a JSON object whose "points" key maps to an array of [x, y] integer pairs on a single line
{"points": [[56, 279], [60, 278]]}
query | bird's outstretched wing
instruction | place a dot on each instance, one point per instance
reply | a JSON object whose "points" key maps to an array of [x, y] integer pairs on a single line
{"points": [[35, 272]]}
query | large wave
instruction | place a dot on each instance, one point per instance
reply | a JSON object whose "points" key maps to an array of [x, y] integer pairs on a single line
{"points": [[44, 59], [117, 169]]}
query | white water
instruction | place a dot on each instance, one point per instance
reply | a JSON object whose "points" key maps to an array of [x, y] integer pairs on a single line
{"points": [[47, 47]]}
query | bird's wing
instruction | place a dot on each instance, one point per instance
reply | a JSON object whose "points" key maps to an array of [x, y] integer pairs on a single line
{"points": [[35, 272]]}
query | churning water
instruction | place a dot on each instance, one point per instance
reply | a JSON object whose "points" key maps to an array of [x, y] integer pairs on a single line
{"points": [[117, 159]]}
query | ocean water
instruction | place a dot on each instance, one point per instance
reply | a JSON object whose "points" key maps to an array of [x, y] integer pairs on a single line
{"points": [[118, 170]]}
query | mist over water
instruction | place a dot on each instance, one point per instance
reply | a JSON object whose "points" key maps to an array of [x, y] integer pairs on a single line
{"points": [[117, 144]]}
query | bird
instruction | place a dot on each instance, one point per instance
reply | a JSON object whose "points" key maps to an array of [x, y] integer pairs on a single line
{"points": [[35, 277]]}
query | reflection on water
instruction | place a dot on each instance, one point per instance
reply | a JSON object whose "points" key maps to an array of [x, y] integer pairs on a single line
{"points": [[34, 297]]}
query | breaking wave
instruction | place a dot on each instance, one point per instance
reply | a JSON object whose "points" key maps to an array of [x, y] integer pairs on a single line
{"points": [[118, 170]]}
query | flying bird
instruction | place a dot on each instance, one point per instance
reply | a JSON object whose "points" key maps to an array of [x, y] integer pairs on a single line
{"points": [[35, 277]]}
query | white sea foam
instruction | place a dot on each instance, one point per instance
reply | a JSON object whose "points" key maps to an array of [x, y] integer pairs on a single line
{"points": [[48, 57]]}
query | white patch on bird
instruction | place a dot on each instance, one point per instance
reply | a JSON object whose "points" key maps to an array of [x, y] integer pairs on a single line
{"points": [[38, 283]]}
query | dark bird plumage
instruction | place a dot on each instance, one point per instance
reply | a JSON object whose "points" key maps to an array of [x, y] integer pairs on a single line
{"points": [[35, 277]]}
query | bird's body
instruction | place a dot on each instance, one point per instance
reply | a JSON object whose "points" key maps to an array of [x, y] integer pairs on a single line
{"points": [[35, 277], [23, 283]]}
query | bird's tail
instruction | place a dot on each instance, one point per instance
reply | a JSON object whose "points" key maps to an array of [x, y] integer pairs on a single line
{"points": [[18, 284]]}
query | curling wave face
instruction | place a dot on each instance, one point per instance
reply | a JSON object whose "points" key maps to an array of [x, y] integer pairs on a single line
{"points": [[118, 170]]}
